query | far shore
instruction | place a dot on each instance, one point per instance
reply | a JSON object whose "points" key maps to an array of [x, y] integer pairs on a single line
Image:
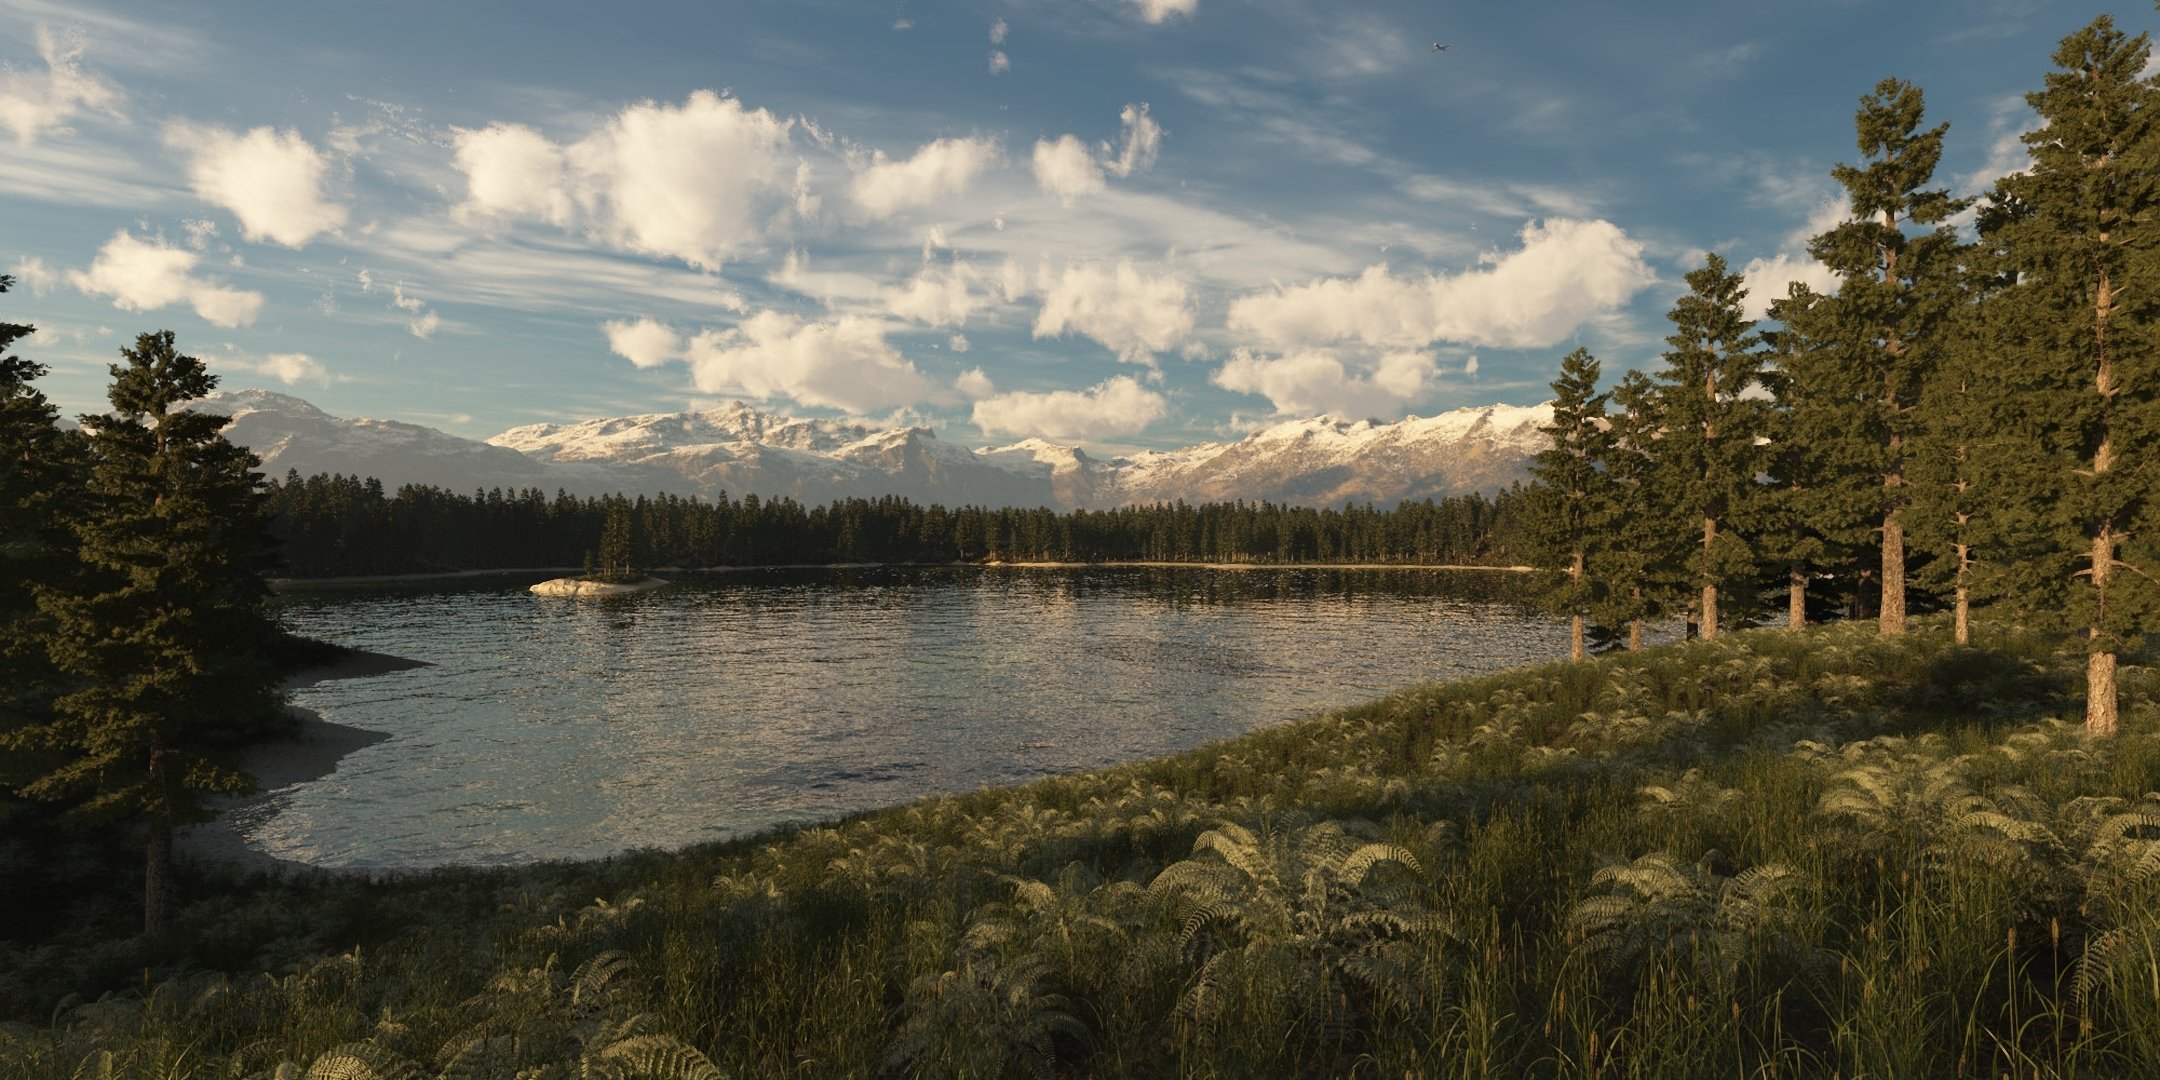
{"points": [[311, 752], [558, 571]]}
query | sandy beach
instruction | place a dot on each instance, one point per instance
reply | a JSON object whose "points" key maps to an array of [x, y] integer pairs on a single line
{"points": [[310, 753]]}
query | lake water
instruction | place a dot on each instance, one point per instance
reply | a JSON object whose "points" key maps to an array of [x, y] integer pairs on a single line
{"points": [[729, 702]]}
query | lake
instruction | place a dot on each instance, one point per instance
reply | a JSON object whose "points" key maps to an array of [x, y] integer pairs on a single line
{"points": [[731, 702]]}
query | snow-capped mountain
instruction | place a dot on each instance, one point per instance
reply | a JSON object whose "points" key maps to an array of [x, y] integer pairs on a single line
{"points": [[741, 450]]}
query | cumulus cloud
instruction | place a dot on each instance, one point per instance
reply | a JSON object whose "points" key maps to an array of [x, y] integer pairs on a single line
{"points": [[843, 364], [271, 180], [1769, 279], [1131, 314], [1565, 274], [645, 342], [145, 275], [1314, 381], [938, 169], [974, 385], [937, 296], [512, 171], [1065, 169], [998, 31], [1113, 408], [688, 182], [32, 106], [1158, 11], [1000, 63]]}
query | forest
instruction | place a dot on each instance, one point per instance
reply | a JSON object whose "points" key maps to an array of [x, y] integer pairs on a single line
{"points": [[332, 526], [1924, 843]]}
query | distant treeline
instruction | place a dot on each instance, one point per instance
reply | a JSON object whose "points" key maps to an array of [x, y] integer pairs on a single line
{"points": [[339, 525]]}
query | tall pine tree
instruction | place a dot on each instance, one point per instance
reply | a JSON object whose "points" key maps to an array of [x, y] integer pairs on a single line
{"points": [[1707, 455], [1639, 561], [162, 637], [36, 475], [2078, 230], [1571, 499], [1865, 351]]}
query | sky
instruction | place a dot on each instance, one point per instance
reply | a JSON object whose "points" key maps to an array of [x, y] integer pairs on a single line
{"points": [[1117, 223]]}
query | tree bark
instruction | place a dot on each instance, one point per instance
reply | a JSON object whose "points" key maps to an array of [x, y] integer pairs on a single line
{"points": [[1891, 615], [1961, 605], [2100, 705], [1575, 637], [1796, 598], [1634, 635], [1709, 584]]}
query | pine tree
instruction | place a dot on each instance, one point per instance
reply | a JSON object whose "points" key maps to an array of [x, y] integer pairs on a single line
{"points": [[37, 462], [163, 636], [1571, 498], [1867, 349], [1960, 424], [1638, 562], [2078, 229], [1707, 456]]}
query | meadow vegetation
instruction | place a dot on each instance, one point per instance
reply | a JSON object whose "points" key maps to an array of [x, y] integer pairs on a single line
{"points": [[1778, 853]]}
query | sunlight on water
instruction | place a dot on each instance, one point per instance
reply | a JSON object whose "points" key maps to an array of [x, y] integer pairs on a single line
{"points": [[553, 728]]}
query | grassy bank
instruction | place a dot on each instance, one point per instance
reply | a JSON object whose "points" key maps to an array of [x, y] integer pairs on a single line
{"points": [[1777, 854]]}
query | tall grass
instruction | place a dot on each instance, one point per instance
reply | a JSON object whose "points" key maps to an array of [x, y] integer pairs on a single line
{"points": [[1777, 854]]}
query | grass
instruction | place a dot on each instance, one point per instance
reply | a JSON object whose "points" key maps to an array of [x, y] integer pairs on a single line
{"points": [[1777, 854]]}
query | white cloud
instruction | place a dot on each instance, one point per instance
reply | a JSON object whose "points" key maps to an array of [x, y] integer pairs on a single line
{"points": [[958, 344], [32, 273], [33, 106], [1000, 63], [1768, 280], [512, 171], [287, 368], [425, 326], [1142, 141], [974, 385], [271, 180], [1469, 366], [842, 364], [682, 182], [1111, 409], [144, 275], [1131, 314], [998, 30], [935, 297], [1314, 381], [689, 182], [938, 169], [1565, 274], [646, 343], [1157, 11], [1065, 170]]}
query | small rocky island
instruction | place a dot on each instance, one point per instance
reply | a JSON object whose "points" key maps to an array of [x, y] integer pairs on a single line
{"points": [[584, 586]]}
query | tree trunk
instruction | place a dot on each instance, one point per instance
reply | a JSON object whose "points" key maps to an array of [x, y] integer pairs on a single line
{"points": [[1891, 615], [2100, 714], [1575, 637], [1634, 635], [158, 900], [1961, 605], [1709, 584], [1796, 598]]}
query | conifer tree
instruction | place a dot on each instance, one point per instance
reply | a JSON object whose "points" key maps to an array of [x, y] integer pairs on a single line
{"points": [[1798, 533], [2078, 230], [36, 460], [1571, 500], [1707, 457], [1638, 562], [1959, 426], [162, 637], [1868, 347]]}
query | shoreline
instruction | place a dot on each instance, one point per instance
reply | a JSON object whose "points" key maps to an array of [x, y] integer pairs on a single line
{"points": [[1171, 565], [312, 751]]}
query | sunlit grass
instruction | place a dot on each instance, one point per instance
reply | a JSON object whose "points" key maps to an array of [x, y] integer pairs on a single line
{"points": [[1776, 854]]}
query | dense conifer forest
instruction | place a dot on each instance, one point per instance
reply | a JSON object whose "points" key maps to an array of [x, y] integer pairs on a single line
{"points": [[335, 526]]}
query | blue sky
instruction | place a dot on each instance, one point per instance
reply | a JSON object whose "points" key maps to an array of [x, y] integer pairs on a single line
{"points": [[1124, 223]]}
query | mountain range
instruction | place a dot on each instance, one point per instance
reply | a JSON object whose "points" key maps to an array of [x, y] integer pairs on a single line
{"points": [[738, 449]]}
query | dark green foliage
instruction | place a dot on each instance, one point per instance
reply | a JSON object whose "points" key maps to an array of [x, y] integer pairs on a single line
{"points": [[1705, 455], [1571, 503], [2080, 341], [160, 638], [335, 526], [1639, 563], [1855, 362]]}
